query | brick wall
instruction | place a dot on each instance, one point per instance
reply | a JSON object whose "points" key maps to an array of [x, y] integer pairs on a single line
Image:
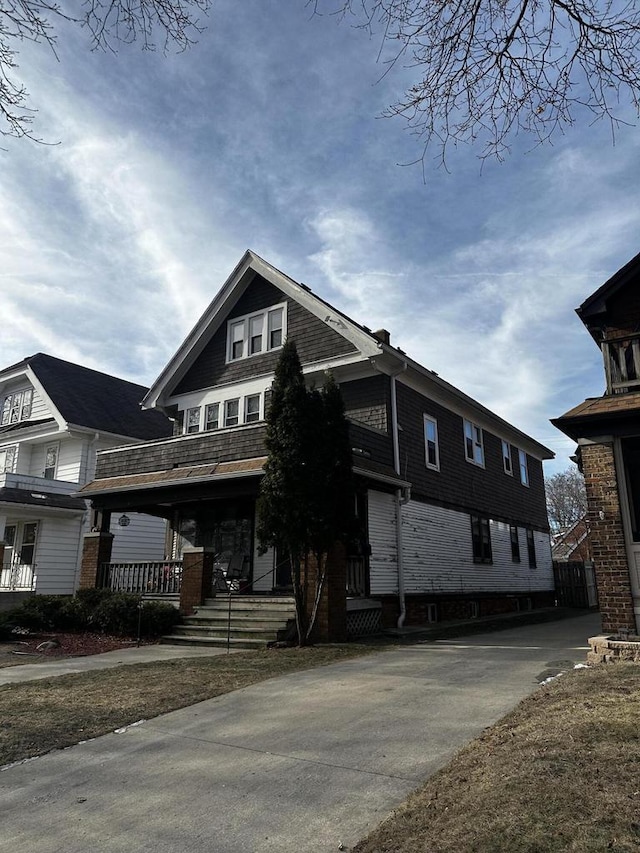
{"points": [[197, 578], [607, 538], [331, 620], [96, 550]]}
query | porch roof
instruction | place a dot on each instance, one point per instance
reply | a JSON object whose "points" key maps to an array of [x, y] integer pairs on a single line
{"points": [[46, 500], [175, 476], [599, 412]]}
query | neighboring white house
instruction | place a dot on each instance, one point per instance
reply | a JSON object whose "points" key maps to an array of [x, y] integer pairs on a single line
{"points": [[54, 417]]}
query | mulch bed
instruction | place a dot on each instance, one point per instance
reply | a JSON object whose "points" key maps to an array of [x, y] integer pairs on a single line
{"points": [[24, 648]]}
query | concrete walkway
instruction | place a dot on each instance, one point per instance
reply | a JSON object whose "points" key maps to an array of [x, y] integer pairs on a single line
{"points": [[47, 668], [298, 764]]}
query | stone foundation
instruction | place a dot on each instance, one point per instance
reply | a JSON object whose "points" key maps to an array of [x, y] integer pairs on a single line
{"points": [[606, 649]]}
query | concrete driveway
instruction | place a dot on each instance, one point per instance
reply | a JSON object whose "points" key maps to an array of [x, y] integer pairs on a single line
{"points": [[298, 764]]}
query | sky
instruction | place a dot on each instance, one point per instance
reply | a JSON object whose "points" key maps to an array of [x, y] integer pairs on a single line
{"points": [[267, 134]]}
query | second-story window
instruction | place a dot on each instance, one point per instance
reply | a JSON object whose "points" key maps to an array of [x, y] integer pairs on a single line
{"points": [[231, 412], [524, 468], [431, 450], [473, 443], [252, 408], [50, 462], [193, 419], [256, 333], [8, 459], [212, 416], [506, 457]]}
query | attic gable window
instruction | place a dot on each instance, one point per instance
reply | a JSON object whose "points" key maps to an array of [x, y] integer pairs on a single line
{"points": [[16, 407], [253, 334]]}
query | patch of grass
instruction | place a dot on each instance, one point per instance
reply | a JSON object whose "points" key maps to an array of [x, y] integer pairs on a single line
{"points": [[560, 773], [38, 716]]}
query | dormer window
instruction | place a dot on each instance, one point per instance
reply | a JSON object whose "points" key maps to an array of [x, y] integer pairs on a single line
{"points": [[17, 407], [256, 333]]}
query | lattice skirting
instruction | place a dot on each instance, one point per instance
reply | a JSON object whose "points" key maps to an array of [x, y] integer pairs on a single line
{"points": [[363, 622]]}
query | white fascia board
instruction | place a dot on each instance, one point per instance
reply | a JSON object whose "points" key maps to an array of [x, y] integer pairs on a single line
{"points": [[39, 387], [430, 385], [218, 309], [101, 433]]}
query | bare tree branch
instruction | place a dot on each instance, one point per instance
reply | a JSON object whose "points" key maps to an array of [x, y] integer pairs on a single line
{"points": [[108, 22], [487, 70]]}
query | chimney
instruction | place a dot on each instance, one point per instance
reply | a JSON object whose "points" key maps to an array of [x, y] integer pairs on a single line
{"points": [[383, 335]]}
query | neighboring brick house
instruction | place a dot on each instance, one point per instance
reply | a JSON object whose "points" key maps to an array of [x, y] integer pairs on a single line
{"points": [[450, 497], [54, 417], [607, 430]]}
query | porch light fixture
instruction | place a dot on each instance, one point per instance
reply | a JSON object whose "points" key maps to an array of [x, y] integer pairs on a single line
{"points": [[124, 520]]}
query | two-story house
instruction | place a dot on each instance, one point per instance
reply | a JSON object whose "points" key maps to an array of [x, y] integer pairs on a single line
{"points": [[54, 417], [450, 496], [607, 430]]}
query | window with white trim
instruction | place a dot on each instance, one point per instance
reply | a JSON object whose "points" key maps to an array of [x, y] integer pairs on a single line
{"points": [[431, 450], [231, 412], [212, 416], [506, 458], [50, 461], [260, 332], [16, 407], [8, 459], [473, 443], [252, 408], [193, 420], [524, 468]]}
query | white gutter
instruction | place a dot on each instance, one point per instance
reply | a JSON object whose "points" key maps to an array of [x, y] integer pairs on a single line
{"points": [[400, 499]]}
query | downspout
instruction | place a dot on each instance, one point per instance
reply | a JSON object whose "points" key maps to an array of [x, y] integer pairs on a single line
{"points": [[400, 499]]}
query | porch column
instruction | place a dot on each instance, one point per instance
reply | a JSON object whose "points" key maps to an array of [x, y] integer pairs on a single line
{"points": [[3, 522], [331, 621], [607, 537], [197, 578], [96, 550]]}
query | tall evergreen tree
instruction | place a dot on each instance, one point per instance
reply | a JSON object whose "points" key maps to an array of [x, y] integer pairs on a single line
{"points": [[306, 494]]}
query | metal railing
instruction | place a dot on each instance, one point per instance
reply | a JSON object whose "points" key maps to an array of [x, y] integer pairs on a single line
{"points": [[157, 576], [17, 577]]}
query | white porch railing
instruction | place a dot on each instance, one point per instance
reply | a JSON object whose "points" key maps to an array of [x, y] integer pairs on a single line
{"points": [[622, 363], [160, 576], [356, 576], [17, 577]]}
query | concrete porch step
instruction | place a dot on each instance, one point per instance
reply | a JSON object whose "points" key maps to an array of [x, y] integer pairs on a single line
{"points": [[252, 620], [217, 642], [249, 632]]}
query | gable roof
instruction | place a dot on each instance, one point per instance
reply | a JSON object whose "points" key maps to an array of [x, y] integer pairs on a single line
{"points": [[594, 307], [216, 313], [93, 400], [387, 359]]}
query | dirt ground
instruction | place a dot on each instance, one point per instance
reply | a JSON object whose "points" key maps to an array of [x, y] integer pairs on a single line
{"points": [[24, 648]]}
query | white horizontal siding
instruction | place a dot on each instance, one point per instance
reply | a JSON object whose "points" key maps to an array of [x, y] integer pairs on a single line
{"points": [[383, 562], [438, 555], [57, 555], [142, 540], [39, 408], [263, 564]]}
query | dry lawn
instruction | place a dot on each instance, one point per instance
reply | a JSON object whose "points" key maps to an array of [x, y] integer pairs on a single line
{"points": [[560, 773], [38, 716]]}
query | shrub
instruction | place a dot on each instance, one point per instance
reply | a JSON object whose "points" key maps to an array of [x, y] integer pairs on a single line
{"points": [[117, 614], [158, 618], [40, 612]]}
